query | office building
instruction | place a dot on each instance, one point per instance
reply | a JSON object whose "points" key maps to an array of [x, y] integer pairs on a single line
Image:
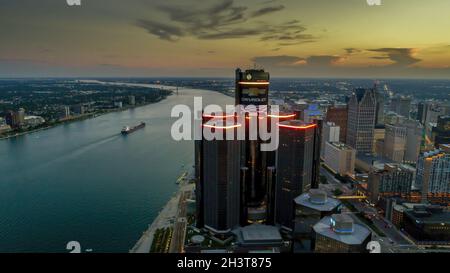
{"points": [[330, 133], [379, 108], [361, 120], [433, 173], [441, 133], [395, 143], [379, 134], [421, 112], [429, 112], [340, 158], [428, 225], [66, 111], [391, 180], [338, 114], [252, 87], [312, 113], [310, 207], [220, 181], [79, 109], [15, 119], [294, 166], [414, 136], [131, 100], [339, 234], [315, 177], [401, 105]]}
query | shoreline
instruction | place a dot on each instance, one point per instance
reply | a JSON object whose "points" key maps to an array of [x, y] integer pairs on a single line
{"points": [[87, 116], [167, 218]]}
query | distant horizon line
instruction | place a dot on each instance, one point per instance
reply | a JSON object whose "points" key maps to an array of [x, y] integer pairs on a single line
{"points": [[216, 77]]}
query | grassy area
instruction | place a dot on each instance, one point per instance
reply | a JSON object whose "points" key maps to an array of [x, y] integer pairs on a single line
{"points": [[161, 240]]}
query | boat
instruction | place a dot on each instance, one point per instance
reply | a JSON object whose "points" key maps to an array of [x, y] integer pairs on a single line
{"points": [[128, 130]]}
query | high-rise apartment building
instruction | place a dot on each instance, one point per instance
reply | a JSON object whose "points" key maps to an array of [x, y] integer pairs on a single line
{"points": [[392, 180], [433, 172]]}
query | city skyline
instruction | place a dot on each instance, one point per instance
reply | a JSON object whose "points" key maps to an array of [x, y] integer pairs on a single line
{"points": [[210, 38]]}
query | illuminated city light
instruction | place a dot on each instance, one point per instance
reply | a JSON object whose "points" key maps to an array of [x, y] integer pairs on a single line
{"points": [[254, 83], [222, 127], [300, 127]]}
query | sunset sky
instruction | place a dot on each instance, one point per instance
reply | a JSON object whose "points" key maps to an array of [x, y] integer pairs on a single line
{"points": [[290, 38]]}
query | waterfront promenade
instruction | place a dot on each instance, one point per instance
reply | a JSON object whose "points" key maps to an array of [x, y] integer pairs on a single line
{"points": [[173, 215]]}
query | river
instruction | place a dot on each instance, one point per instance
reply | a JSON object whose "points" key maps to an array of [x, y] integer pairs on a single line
{"points": [[85, 182]]}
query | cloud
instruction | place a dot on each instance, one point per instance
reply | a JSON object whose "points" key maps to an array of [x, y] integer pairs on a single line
{"points": [[162, 31], [267, 10], [323, 60], [279, 61], [400, 56], [292, 61], [352, 50], [223, 20]]}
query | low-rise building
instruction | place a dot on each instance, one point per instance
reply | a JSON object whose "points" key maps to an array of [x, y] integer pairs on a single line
{"points": [[339, 234], [257, 237], [428, 224], [309, 209]]}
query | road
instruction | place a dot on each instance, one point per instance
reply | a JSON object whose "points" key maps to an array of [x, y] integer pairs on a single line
{"points": [[179, 230], [393, 241]]}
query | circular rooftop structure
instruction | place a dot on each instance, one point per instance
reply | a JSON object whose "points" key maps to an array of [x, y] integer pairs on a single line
{"points": [[197, 239]]}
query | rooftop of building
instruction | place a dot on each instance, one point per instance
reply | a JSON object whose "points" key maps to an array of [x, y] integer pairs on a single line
{"points": [[340, 146], [428, 214], [436, 152], [358, 235], [372, 159], [318, 200], [258, 234], [391, 167]]}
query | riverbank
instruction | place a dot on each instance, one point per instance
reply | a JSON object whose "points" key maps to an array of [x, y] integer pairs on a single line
{"points": [[172, 217], [80, 118]]}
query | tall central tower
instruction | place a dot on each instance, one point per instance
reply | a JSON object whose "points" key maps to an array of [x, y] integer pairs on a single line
{"points": [[252, 88]]}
